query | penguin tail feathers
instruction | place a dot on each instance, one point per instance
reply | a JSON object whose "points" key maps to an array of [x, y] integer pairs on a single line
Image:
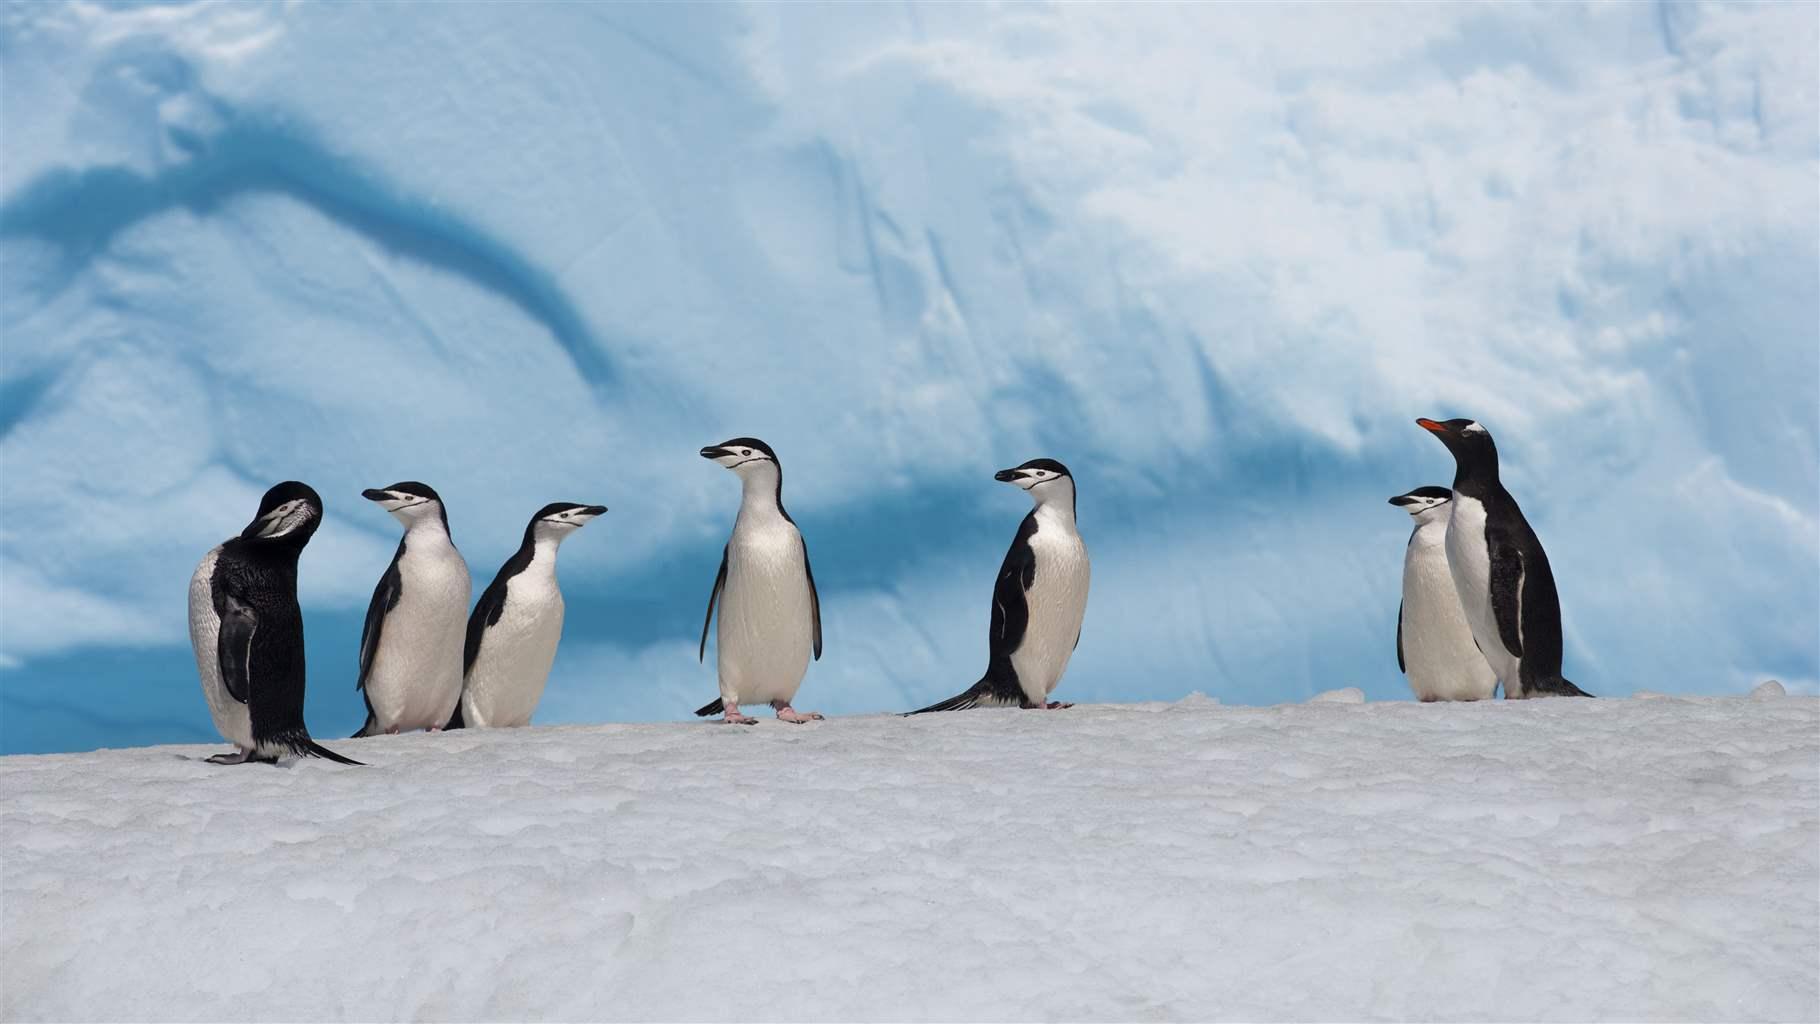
{"points": [[1567, 689], [315, 749], [710, 709], [371, 728], [455, 721], [970, 698]]}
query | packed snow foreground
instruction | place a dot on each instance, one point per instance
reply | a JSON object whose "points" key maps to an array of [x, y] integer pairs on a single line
{"points": [[1545, 860]]}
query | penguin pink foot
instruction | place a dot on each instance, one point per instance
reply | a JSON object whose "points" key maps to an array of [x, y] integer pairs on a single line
{"points": [[732, 716], [786, 713], [1056, 705], [240, 756]]}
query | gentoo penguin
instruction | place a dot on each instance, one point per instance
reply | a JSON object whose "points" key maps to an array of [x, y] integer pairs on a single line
{"points": [[770, 615], [1499, 571], [1039, 600], [410, 650], [247, 631], [1434, 643], [513, 632]]}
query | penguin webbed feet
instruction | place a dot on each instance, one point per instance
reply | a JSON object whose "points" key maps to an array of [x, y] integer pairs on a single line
{"points": [[786, 713], [731, 715]]}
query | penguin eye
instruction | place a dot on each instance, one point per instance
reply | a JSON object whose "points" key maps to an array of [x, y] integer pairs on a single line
{"points": [[745, 451]]}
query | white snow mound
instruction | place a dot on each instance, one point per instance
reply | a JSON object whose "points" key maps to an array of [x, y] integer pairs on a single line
{"points": [[1348, 695], [1544, 860]]}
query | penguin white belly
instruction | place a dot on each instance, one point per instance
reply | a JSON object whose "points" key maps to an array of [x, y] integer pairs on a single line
{"points": [[1469, 562], [231, 717], [766, 624], [415, 680], [509, 673], [1438, 653], [1057, 602]]}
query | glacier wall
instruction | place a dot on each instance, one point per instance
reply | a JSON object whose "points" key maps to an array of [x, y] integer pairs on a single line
{"points": [[1215, 258]]}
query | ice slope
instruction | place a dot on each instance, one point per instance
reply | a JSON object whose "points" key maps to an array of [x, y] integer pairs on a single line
{"points": [[1563, 860], [1215, 257]]}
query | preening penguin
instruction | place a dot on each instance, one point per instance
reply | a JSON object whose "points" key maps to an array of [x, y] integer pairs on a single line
{"points": [[1499, 570], [1039, 600], [1434, 644], [411, 646], [514, 630], [770, 615], [247, 631]]}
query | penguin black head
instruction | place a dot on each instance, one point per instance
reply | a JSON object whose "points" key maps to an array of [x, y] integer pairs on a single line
{"points": [[741, 451], [1045, 479], [290, 512], [1424, 500], [567, 514], [1475, 456], [558, 519], [409, 502]]}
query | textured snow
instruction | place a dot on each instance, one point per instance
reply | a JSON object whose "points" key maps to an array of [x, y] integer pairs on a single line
{"points": [[1547, 860], [1214, 257]]}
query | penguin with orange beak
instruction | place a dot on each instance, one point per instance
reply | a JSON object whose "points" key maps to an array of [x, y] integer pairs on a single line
{"points": [[1499, 569]]}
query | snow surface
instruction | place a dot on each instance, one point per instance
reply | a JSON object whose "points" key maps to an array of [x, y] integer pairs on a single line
{"points": [[1215, 257], [1543, 860]]}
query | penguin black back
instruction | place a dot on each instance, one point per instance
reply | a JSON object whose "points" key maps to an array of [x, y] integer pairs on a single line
{"points": [[260, 645], [1523, 598]]}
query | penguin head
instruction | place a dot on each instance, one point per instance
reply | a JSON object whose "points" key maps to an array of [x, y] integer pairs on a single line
{"points": [[558, 519], [1474, 454], [1426, 504], [290, 512], [747, 456], [409, 502], [1045, 479]]}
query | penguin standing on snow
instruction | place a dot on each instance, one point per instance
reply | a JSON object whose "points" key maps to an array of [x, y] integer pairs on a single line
{"points": [[1434, 643], [770, 615], [247, 631], [513, 632], [1039, 600], [1499, 570], [411, 647]]}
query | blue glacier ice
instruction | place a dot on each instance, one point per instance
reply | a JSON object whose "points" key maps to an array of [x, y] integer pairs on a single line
{"points": [[1216, 258]]}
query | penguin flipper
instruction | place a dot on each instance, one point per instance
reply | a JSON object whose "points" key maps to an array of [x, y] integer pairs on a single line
{"points": [[234, 646], [1010, 608], [1507, 592], [815, 601], [710, 709], [385, 598], [720, 582], [1400, 666]]}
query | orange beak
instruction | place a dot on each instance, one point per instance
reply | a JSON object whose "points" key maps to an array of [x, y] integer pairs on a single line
{"points": [[1432, 426]]}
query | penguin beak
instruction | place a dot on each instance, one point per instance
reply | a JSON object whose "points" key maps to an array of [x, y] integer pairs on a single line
{"points": [[714, 452], [1434, 428], [593, 510], [269, 525], [375, 494], [1005, 476], [1402, 499]]}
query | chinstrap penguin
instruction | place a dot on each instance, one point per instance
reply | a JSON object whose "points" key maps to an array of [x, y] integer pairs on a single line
{"points": [[411, 646], [515, 627], [1039, 600], [247, 631], [1435, 649], [1499, 570], [770, 614]]}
